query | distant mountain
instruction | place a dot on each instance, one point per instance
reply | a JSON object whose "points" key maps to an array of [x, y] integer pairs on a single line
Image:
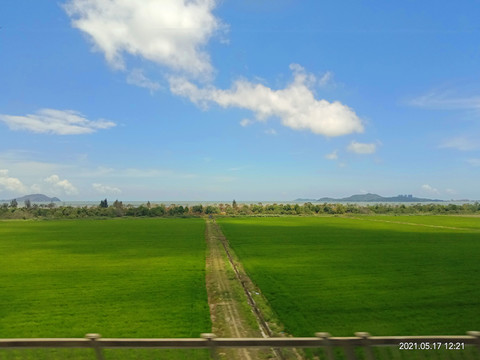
{"points": [[359, 198], [34, 198], [374, 198]]}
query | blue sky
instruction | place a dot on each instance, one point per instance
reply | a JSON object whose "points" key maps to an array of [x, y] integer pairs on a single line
{"points": [[247, 100]]}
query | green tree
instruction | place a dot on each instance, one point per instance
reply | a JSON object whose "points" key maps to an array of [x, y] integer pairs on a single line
{"points": [[211, 210], [158, 210], [174, 210], [28, 203], [197, 209], [340, 209]]}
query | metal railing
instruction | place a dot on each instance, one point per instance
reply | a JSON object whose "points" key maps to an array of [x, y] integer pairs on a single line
{"points": [[439, 344]]}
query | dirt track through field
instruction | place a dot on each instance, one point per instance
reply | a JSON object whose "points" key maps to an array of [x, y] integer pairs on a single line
{"points": [[230, 318], [233, 310]]}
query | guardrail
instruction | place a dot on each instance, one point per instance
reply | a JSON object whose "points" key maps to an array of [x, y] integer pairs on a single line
{"points": [[450, 344]]}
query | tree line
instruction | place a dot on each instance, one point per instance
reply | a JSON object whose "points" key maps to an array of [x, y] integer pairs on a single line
{"points": [[118, 209]]}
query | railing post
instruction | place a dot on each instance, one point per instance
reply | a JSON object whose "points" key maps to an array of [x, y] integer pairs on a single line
{"points": [[211, 344], [328, 347], [349, 352], [366, 346], [96, 346], [476, 334]]}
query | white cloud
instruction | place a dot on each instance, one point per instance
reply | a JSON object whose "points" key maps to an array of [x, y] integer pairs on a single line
{"points": [[174, 33], [361, 148], [105, 189], [430, 189], [295, 105], [138, 78], [11, 183], [61, 185], [51, 121], [462, 143], [167, 32], [332, 156], [245, 122]]}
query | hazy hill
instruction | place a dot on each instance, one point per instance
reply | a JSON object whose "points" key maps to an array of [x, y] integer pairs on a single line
{"points": [[34, 198], [373, 198]]}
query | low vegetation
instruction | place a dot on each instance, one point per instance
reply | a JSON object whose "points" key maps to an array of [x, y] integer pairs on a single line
{"points": [[118, 209]]}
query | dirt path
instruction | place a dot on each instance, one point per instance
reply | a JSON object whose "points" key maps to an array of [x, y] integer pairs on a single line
{"points": [[229, 311]]}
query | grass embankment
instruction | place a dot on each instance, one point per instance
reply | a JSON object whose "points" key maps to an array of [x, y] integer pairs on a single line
{"points": [[345, 275], [119, 278]]}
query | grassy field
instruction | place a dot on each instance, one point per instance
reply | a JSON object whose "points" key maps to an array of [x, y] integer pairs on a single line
{"points": [[344, 275], [119, 278], [463, 222]]}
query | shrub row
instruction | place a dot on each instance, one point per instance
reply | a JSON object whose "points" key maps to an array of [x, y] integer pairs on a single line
{"points": [[118, 209]]}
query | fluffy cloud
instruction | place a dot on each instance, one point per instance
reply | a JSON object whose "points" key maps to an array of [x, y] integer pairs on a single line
{"points": [[295, 105], [167, 32], [361, 148], [11, 183], [105, 189], [51, 121], [61, 185], [173, 33]]}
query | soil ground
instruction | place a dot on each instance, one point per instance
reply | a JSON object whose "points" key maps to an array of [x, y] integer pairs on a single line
{"points": [[230, 313]]}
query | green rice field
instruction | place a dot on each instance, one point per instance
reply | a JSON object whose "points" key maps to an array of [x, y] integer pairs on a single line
{"points": [[374, 274], [460, 222], [387, 275], [119, 278]]}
